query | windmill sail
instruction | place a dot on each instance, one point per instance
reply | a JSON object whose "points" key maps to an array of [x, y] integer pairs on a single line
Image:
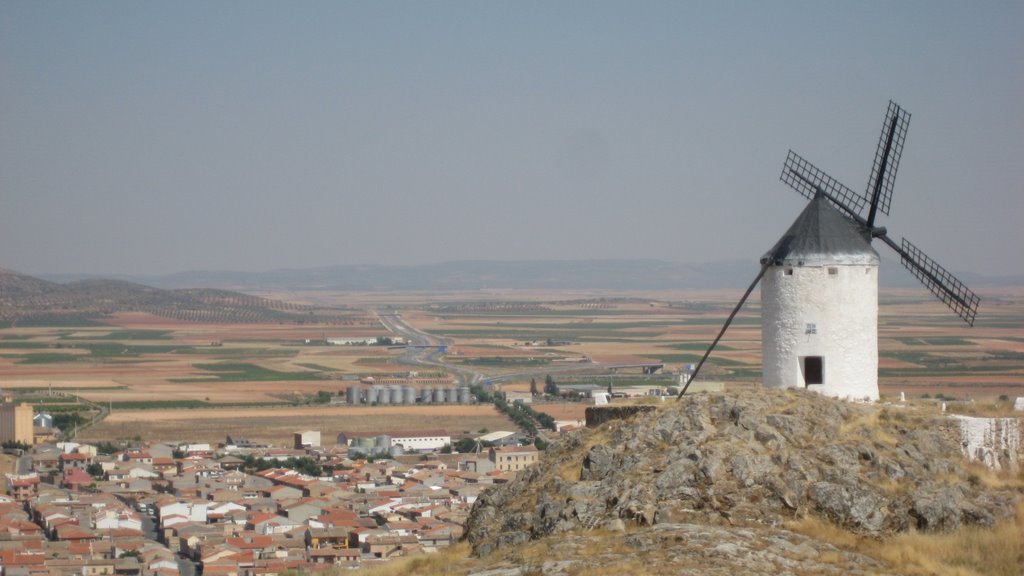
{"points": [[887, 159], [939, 281], [808, 180]]}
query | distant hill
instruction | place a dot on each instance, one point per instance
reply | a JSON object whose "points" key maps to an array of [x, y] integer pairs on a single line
{"points": [[471, 275], [522, 274], [26, 300], [463, 275], [16, 285]]}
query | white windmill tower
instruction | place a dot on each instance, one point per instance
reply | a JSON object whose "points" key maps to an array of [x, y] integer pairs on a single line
{"points": [[819, 322], [819, 307]]}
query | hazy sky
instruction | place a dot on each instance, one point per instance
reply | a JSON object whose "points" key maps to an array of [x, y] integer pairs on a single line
{"points": [[155, 137]]}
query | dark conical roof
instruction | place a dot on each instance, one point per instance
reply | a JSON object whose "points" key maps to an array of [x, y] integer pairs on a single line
{"points": [[822, 235]]}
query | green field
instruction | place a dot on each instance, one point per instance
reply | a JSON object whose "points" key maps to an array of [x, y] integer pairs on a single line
{"points": [[124, 335], [693, 359], [243, 372], [21, 344], [45, 358], [242, 352], [696, 346], [556, 333], [316, 367]]}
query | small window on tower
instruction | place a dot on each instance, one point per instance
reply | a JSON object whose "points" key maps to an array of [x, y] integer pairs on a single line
{"points": [[789, 272], [814, 370], [833, 271]]}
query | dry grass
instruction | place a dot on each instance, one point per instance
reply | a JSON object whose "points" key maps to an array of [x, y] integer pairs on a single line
{"points": [[626, 566], [452, 560], [562, 410], [657, 400], [276, 425], [869, 425], [987, 409], [8, 463], [979, 474], [969, 551], [898, 487], [616, 557]]}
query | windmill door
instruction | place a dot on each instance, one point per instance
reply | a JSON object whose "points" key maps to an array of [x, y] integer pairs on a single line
{"points": [[813, 369]]}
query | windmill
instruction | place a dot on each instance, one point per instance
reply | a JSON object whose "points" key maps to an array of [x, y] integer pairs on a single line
{"points": [[820, 291]]}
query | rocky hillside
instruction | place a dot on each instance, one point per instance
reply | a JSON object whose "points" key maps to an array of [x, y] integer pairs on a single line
{"points": [[708, 485]]}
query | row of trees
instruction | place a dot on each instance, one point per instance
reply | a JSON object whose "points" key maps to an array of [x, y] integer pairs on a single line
{"points": [[465, 446], [522, 414], [302, 464], [550, 388]]}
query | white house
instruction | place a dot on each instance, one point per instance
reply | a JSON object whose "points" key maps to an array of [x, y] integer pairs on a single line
{"points": [[275, 525], [163, 564], [384, 507], [191, 511], [222, 509], [307, 439], [114, 519]]}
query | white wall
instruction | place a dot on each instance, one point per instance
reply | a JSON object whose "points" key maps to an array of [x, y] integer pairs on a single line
{"points": [[996, 442], [421, 443], [844, 311]]}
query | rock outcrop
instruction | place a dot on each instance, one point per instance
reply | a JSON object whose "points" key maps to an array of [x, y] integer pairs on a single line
{"points": [[741, 463]]}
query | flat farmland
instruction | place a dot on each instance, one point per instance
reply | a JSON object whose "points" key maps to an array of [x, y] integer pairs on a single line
{"points": [[923, 348], [141, 358], [650, 328], [563, 411], [203, 381], [276, 425]]}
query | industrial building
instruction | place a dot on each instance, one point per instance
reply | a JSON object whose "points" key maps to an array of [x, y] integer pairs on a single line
{"points": [[387, 445], [382, 395], [421, 442], [15, 422]]}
